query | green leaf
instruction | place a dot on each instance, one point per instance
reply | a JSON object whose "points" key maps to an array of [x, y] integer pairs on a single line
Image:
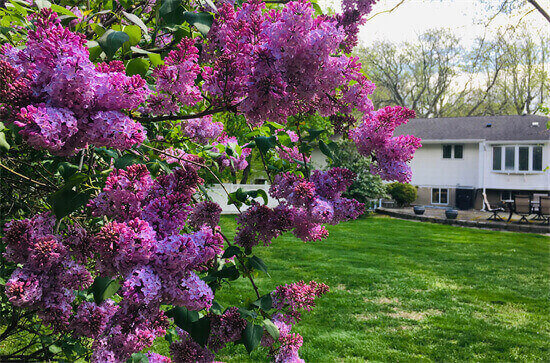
{"points": [[65, 201], [169, 6], [134, 32], [67, 169], [137, 21], [252, 335], [232, 251], [137, 66], [317, 8], [55, 349], [200, 330], [126, 160], [112, 40], [61, 10], [216, 308], [258, 264], [265, 302], [271, 329], [42, 4], [324, 149], [265, 143], [4, 145], [183, 317], [155, 59], [202, 21], [256, 193], [245, 313], [103, 288], [313, 134], [21, 10], [138, 358]]}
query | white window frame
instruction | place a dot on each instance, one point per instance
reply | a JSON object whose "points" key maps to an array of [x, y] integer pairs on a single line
{"points": [[439, 201], [516, 147], [453, 151], [511, 192]]}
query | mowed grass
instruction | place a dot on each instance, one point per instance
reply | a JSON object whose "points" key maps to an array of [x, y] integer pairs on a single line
{"points": [[408, 291]]}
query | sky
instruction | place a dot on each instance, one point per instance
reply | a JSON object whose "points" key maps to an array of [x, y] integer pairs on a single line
{"points": [[465, 18]]}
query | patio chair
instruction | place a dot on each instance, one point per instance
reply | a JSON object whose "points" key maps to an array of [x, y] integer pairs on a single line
{"points": [[495, 211], [544, 208], [536, 206], [522, 206]]}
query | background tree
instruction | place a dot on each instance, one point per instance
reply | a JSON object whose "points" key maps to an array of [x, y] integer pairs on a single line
{"points": [[438, 78]]}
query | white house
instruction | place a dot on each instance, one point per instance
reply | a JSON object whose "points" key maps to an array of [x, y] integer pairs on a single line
{"points": [[461, 157]]}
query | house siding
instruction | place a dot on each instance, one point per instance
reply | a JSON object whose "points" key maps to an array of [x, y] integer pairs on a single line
{"points": [[431, 169]]}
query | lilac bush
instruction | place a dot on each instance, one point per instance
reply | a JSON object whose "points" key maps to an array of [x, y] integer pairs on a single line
{"points": [[122, 107]]}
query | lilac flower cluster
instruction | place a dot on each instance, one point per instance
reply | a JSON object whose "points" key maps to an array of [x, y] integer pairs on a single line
{"points": [[353, 15], [290, 153], [264, 68], [202, 130], [306, 204], [233, 156], [375, 136], [68, 103], [48, 274], [206, 213], [225, 328], [288, 300], [175, 80], [187, 350], [143, 246]]}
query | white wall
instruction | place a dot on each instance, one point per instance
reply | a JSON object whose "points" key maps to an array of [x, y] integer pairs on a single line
{"points": [[430, 169], [521, 180]]}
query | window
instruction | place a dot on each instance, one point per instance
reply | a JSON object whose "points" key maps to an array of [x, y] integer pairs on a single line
{"points": [[440, 196], [453, 151], [447, 150], [458, 151], [523, 158], [517, 158], [497, 158], [509, 157], [537, 158], [507, 195]]}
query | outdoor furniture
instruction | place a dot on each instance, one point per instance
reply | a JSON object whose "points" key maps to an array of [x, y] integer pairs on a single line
{"points": [[544, 209], [495, 211], [535, 204], [522, 206]]}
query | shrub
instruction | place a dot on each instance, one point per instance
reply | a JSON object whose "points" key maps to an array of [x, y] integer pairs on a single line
{"points": [[402, 193], [366, 185]]}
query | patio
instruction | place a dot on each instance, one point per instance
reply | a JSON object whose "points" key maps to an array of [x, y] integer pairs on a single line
{"points": [[468, 218]]}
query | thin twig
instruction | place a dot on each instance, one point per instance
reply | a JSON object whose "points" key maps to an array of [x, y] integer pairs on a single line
{"points": [[23, 176]]}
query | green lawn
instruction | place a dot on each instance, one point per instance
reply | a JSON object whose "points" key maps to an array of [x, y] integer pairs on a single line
{"points": [[403, 290]]}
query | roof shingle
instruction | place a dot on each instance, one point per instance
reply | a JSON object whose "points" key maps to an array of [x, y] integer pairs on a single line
{"points": [[502, 128]]}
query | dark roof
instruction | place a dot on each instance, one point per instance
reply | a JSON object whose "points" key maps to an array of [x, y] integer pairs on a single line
{"points": [[502, 128]]}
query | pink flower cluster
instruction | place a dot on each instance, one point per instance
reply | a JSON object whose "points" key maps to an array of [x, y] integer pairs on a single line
{"points": [[289, 300], [374, 136], [353, 15], [202, 130], [175, 80], [277, 63], [68, 102], [290, 153], [143, 246], [306, 204], [225, 328], [48, 273], [233, 156]]}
